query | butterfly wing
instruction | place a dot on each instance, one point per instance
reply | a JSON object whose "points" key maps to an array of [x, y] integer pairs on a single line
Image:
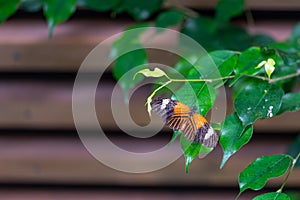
{"points": [[189, 129], [205, 134], [178, 116], [173, 112], [197, 129]]}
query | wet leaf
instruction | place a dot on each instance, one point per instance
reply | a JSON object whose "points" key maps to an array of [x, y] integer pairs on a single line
{"points": [[290, 102], [258, 99], [216, 64], [256, 175], [272, 196], [247, 63], [233, 136], [191, 150]]}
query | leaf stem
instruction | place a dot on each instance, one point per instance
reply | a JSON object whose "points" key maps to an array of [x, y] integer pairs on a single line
{"points": [[201, 80], [160, 87], [294, 161], [170, 80], [272, 80], [149, 99], [285, 77]]}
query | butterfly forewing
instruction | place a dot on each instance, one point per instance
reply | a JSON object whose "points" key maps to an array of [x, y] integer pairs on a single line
{"points": [[173, 112]]}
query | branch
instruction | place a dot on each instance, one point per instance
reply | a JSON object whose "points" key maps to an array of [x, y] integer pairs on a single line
{"points": [[289, 173], [285, 77]]}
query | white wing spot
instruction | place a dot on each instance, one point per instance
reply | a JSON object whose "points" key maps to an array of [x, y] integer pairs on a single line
{"points": [[209, 133], [164, 103]]}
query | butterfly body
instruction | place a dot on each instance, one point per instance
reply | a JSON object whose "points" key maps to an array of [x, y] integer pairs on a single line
{"points": [[179, 116]]}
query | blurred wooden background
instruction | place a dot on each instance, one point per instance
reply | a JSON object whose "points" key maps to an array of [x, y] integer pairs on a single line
{"points": [[42, 156]]}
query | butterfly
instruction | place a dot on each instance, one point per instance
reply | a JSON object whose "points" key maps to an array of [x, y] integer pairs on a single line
{"points": [[178, 116]]}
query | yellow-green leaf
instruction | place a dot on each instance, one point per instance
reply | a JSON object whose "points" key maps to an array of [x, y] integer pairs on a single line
{"points": [[151, 73]]}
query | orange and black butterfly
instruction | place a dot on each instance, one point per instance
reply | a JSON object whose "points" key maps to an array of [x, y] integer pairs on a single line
{"points": [[179, 116]]}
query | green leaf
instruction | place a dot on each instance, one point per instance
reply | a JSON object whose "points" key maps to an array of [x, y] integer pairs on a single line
{"points": [[202, 30], [198, 94], [130, 39], [227, 9], [282, 69], [227, 33], [174, 136], [256, 175], [191, 150], [141, 10], [258, 99], [169, 18], [151, 73], [295, 35], [272, 196], [126, 66], [247, 62], [101, 5], [233, 136], [217, 64], [261, 40], [293, 194], [183, 66], [216, 126], [290, 102], [31, 5], [294, 149], [7, 8], [57, 11]]}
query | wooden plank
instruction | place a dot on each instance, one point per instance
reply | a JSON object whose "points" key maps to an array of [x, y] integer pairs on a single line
{"points": [[25, 46], [52, 160], [48, 105], [250, 4], [125, 194], [43, 57]]}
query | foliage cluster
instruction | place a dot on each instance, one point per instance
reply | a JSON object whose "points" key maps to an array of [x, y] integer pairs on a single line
{"points": [[263, 73]]}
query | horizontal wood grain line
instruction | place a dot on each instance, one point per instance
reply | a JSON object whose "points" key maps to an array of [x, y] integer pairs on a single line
{"points": [[100, 193], [25, 46], [48, 105], [250, 4], [66, 161]]}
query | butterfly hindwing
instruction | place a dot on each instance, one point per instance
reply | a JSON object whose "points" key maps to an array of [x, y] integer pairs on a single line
{"points": [[189, 129], [179, 116]]}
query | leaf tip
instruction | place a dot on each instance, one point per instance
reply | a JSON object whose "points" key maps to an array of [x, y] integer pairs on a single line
{"points": [[224, 159], [188, 161]]}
